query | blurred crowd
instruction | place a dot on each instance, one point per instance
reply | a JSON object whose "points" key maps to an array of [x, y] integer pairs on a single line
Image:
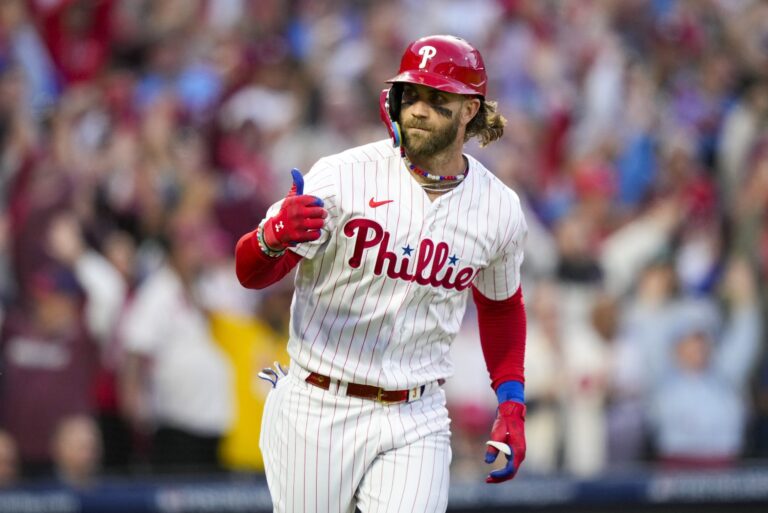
{"points": [[141, 138]]}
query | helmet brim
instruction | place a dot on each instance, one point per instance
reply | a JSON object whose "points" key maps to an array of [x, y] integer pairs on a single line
{"points": [[435, 81]]}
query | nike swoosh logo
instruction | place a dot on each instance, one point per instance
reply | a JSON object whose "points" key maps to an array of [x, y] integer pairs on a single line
{"points": [[373, 204]]}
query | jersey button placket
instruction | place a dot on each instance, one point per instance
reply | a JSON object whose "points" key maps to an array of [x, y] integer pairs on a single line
{"points": [[437, 214], [430, 223]]}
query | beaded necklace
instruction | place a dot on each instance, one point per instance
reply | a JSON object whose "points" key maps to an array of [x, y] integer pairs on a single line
{"points": [[430, 176]]}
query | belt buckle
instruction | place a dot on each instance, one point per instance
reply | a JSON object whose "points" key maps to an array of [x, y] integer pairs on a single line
{"points": [[380, 397]]}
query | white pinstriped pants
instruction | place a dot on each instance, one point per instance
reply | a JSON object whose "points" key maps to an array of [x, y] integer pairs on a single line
{"points": [[326, 452]]}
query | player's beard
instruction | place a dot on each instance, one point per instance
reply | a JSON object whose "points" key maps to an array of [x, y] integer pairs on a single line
{"points": [[430, 143]]}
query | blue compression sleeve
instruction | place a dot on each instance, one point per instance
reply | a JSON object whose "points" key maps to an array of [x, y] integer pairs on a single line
{"points": [[511, 391]]}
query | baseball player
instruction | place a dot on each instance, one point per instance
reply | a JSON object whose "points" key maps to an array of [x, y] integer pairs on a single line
{"points": [[390, 240]]}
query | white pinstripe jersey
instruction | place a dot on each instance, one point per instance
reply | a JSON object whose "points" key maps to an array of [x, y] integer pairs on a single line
{"points": [[380, 296]]}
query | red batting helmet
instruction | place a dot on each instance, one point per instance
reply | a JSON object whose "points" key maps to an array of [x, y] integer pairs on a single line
{"points": [[447, 63]]}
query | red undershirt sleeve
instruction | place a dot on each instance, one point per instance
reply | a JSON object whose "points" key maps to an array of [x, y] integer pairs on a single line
{"points": [[254, 269], [502, 336]]}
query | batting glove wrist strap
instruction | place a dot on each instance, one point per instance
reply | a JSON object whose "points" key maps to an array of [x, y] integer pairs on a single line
{"points": [[263, 246], [299, 220], [507, 436]]}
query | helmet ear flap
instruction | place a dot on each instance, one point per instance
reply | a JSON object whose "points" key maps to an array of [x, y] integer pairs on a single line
{"points": [[394, 100], [389, 110]]}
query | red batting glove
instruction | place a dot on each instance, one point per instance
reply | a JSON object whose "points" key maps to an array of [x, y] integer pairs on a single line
{"points": [[299, 220], [508, 432]]}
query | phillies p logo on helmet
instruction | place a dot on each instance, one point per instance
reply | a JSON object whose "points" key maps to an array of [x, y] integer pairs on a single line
{"points": [[427, 52], [447, 63]]}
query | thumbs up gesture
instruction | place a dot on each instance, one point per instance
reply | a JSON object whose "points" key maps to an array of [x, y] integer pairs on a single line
{"points": [[299, 220]]}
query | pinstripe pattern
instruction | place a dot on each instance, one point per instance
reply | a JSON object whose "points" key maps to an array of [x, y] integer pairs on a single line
{"points": [[378, 300], [411, 474], [354, 325], [325, 452]]}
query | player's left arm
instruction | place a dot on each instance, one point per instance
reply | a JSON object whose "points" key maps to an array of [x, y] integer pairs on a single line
{"points": [[498, 295], [502, 337]]}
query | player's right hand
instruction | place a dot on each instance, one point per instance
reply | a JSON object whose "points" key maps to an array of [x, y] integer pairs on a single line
{"points": [[299, 220]]}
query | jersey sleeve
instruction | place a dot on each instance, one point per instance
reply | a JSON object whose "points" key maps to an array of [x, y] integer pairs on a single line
{"points": [[501, 278], [321, 181]]}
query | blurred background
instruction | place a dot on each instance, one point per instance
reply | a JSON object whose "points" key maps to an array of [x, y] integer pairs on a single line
{"points": [[141, 138]]}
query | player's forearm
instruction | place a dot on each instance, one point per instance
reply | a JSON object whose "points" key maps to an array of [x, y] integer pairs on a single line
{"points": [[255, 269], [502, 336]]}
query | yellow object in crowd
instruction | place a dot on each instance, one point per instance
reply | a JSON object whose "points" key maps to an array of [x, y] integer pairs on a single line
{"points": [[251, 345]]}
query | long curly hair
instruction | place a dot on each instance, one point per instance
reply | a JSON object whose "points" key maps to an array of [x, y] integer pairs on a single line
{"points": [[487, 125]]}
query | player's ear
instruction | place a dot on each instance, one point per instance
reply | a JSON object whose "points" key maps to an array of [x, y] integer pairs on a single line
{"points": [[469, 108]]}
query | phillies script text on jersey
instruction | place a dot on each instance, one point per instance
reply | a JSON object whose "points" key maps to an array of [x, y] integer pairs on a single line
{"points": [[370, 234]]}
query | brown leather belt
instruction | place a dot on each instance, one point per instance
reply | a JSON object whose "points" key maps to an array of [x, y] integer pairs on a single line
{"points": [[370, 391]]}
